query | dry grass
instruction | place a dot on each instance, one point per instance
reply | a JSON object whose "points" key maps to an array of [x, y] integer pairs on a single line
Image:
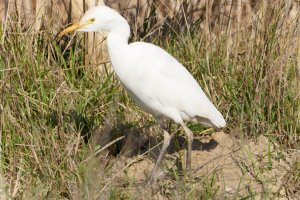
{"points": [[52, 104]]}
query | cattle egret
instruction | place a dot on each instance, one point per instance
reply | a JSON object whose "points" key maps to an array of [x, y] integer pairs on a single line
{"points": [[154, 79]]}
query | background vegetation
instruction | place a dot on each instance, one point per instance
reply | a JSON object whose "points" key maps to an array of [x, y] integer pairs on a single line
{"points": [[56, 110]]}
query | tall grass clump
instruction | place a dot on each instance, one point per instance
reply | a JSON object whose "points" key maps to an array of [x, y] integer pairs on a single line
{"points": [[51, 102]]}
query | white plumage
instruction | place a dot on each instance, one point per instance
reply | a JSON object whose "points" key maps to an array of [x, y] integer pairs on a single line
{"points": [[162, 86], [155, 80]]}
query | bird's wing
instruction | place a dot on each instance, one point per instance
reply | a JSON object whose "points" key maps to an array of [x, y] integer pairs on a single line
{"points": [[159, 83]]}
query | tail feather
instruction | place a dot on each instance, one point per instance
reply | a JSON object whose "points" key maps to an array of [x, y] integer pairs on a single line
{"points": [[217, 121]]}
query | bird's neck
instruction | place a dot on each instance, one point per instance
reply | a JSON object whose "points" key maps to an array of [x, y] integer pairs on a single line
{"points": [[117, 43], [118, 35]]}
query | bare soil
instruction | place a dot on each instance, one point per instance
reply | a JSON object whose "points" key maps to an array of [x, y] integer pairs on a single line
{"points": [[234, 168]]}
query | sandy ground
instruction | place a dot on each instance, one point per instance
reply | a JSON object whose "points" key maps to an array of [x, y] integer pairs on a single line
{"points": [[237, 168]]}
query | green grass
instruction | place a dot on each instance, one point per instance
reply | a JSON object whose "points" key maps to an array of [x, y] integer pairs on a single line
{"points": [[51, 102]]}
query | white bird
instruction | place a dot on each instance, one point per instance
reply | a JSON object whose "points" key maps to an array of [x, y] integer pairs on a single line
{"points": [[154, 79]]}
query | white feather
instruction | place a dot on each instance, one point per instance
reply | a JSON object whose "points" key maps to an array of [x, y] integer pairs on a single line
{"points": [[153, 78]]}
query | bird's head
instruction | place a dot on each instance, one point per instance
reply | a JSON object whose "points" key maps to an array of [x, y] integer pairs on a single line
{"points": [[95, 19]]}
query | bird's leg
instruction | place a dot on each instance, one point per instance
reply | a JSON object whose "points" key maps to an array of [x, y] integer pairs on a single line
{"points": [[189, 135], [166, 143]]}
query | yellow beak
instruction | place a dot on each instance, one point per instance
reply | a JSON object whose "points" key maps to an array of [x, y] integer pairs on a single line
{"points": [[72, 28]]}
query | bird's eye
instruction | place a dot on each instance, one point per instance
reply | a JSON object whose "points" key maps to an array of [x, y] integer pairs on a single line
{"points": [[92, 20]]}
